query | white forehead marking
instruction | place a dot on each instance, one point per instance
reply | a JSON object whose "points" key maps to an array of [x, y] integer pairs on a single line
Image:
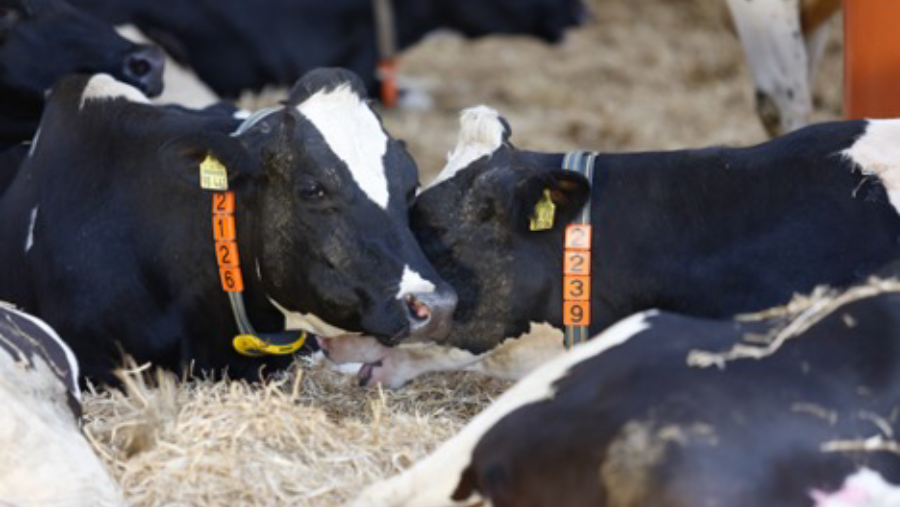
{"points": [[104, 87], [480, 134], [411, 282], [354, 134], [877, 153], [29, 240]]}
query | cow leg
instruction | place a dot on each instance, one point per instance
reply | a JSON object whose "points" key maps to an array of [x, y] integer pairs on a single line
{"points": [[394, 367], [771, 34]]}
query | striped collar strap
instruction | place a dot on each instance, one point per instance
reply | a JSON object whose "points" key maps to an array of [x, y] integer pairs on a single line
{"points": [[577, 258]]}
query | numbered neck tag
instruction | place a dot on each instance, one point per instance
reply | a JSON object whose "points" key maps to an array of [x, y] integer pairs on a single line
{"points": [[225, 236], [577, 259], [248, 342]]}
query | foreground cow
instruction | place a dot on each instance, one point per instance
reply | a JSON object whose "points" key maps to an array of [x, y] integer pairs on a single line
{"points": [[43, 40], [45, 459], [710, 232], [234, 45], [108, 234], [665, 410]]}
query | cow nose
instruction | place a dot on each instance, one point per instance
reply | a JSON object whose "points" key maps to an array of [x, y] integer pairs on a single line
{"points": [[143, 68], [430, 314]]}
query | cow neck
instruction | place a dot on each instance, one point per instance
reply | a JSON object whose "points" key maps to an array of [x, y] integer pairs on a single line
{"points": [[577, 241], [248, 342]]}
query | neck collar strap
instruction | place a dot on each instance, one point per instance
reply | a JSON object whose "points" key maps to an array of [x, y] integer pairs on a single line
{"points": [[248, 342], [577, 258]]}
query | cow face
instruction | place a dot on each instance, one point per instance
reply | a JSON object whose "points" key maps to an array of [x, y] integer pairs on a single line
{"points": [[473, 224], [42, 40], [547, 19], [333, 204]]}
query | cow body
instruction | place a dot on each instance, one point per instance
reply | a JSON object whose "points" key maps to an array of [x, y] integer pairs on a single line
{"points": [[111, 239], [668, 410], [39, 426], [711, 232], [234, 46]]}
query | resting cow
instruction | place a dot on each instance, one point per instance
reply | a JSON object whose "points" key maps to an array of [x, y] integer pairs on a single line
{"points": [[45, 459], [234, 45], [710, 232], [43, 40], [108, 235], [666, 410]]}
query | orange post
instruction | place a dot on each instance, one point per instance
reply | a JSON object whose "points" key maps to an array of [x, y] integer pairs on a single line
{"points": [[872, 58]]}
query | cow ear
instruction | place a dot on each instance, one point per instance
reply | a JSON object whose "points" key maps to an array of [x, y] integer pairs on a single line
{"points": [[208, 161], [551, 200]]}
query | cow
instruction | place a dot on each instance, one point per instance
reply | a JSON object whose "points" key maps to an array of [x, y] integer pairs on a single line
{"points": [[234, 46], [783, 42], [108, 227], [706, 232], [45, 460], [43, 40], [668, 410]]}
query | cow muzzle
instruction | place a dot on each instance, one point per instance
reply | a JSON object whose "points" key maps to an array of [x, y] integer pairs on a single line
{"points": [[430, 314], [143, 68]]}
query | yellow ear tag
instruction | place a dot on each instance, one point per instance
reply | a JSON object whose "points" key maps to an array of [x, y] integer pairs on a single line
{"points": [[213, 175], [544, 212]]}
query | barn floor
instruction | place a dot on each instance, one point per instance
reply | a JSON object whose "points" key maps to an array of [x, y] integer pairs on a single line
{"points": [[655, 74]]}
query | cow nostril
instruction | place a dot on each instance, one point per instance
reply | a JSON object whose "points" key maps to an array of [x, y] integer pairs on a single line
{"points": [[417, 308]]}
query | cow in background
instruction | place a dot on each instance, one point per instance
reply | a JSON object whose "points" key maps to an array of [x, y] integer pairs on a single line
{"points": [[108, 234], [43, 40], [45, 460], [707, 232], [235, 46], [671, 411], [783, 42]]}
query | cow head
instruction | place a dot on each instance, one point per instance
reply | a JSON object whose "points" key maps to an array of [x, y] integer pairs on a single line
{"points": [[332, 227], [546, 19], [473, 224], [43, 40]]}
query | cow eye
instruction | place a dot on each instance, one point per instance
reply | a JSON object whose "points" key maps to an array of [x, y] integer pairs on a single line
{"points": [[310, 190]]}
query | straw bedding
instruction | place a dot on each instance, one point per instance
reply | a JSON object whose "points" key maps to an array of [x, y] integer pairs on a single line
{"points": [[654, 74]]}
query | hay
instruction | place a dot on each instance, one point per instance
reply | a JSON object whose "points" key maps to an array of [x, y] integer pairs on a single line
{"points": [[309, 436]]}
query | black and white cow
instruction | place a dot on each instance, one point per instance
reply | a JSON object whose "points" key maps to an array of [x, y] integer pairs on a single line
{"points": [[710, 232], [46, 459], [108, 235], [235, 46], [783, 41], [672, 411], [43, 40]]}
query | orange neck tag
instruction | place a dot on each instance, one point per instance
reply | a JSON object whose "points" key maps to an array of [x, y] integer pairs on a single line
{"points": [[225, 236]]}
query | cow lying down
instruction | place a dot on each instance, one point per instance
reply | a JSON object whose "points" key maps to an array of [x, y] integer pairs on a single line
{"points": [[666, 410], [710, 232], [132, 227], [45, 460]]}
